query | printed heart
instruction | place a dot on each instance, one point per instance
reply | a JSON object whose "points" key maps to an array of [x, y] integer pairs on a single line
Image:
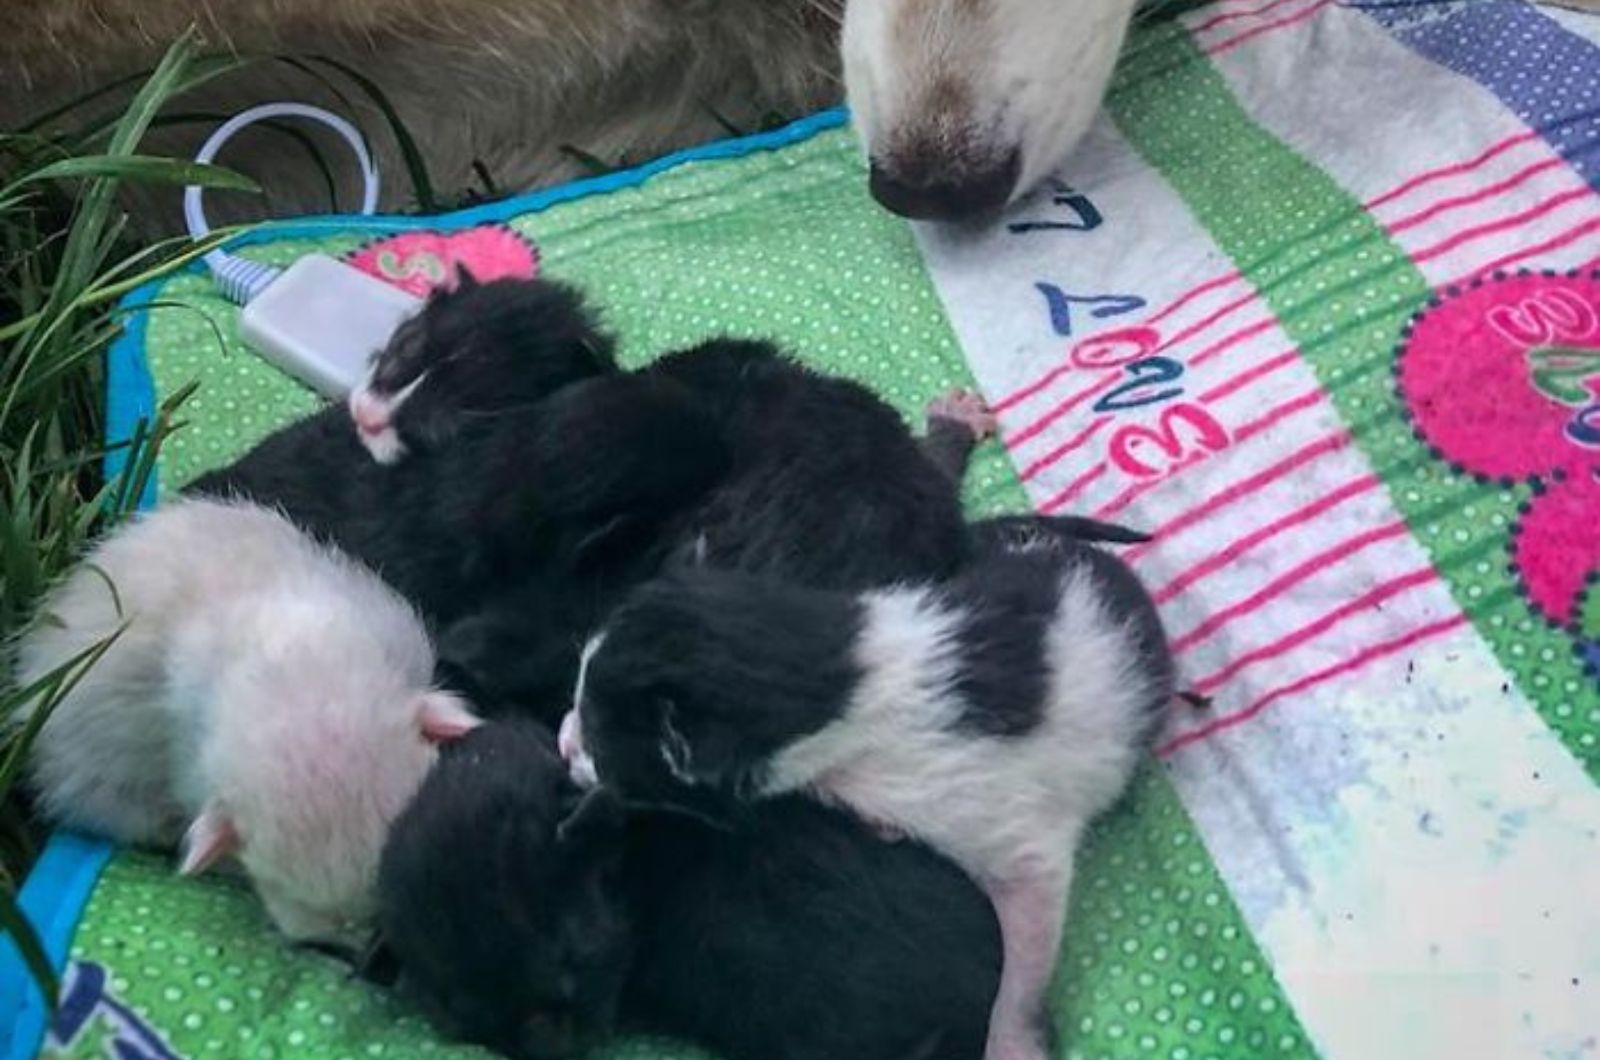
{"points": [[420, 262]]}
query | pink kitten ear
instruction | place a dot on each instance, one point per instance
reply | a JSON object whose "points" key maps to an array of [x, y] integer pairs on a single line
{"points": [[210, 838], [444, 718]]}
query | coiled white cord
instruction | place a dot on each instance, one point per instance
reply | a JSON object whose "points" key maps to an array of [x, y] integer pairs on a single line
{"points": [[239, 278]]}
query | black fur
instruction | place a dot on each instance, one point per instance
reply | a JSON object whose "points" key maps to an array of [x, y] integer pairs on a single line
{"points": [[508, 927], [828, 487], [1009, 597], [1013, 532], [597, 469], [703, 675], [487, 348], [795, 935]]}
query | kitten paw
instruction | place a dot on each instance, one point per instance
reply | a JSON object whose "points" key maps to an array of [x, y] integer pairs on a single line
{"points": [[967, 408]]}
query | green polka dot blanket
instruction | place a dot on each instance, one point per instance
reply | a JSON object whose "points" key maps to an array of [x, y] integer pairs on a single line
{"points": [[1317, 305]]}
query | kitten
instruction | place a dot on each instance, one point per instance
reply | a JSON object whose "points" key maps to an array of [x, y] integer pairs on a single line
{"points": [[263, 696], [992, 716]]}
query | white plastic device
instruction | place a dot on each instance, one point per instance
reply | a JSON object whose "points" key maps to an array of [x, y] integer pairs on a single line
{"points": [[322, 320]]}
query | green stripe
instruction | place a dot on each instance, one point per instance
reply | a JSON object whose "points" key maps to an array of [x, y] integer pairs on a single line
{"points": [[1342, 290]]}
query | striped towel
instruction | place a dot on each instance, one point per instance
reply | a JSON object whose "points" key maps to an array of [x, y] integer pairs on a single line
{"points": [[1317, 306]]}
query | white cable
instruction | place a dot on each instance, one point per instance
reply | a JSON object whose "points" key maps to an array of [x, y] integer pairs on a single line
{"points": [[241, 279]]}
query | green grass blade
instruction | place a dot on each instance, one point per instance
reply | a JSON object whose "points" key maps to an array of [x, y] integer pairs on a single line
{"points": [[144, 168]]}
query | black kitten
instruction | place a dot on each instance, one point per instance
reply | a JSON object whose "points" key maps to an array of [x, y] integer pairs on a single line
{"points": [[825, 486], [594, 470], [511, 905], [992, 716], [828, 486], [473, 351], [498, 893]]}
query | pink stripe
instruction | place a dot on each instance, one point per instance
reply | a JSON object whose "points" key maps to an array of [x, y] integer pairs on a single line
{"points": [[1032, 388], [1245, 378], [1553, 243], [1224, 344], [1283, 411], [1421, 179], [1061, 410], [1478, 196], [1357, 662], [1133, 493], [1399, 226], [1258, 599], [1221, 559], [1232, 16], [1337, 440], [1447, 245], [1075, 487], [1384, 591], [1513, 221], [1201, 325], [1064, 448], [1209, 285], [1449, 171], [1255, 426], [1299, 16]]}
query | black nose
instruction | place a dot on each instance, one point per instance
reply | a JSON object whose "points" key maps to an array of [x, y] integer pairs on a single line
{"points": [[934, 192]]}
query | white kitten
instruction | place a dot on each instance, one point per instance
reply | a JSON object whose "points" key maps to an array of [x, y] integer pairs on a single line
{"points": [[267, 696]]}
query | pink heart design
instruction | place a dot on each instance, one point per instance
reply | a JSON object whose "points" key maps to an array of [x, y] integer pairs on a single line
{"points": [[419, 262]]}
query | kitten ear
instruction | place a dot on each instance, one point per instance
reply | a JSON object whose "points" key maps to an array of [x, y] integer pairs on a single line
{"points": [[444, 718], [210, 838], [465, 280]]}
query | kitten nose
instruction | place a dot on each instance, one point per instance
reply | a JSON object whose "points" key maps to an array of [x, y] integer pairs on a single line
{"points": [[369, 413], [931, 191]]}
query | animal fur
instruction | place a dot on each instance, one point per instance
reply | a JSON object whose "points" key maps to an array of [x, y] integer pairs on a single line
{"points": [[528, 918], [963, 106], [265, 696], [503, 83], [527, 453], [992, 717]]}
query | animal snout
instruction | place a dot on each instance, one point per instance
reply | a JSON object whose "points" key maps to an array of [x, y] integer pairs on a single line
{"points": [[370, 413], [570, 743], [935, 189]]}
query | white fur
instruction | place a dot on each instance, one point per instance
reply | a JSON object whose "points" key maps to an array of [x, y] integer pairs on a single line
{"points": [[570, 739], [510, 82], [262, 680], [367, 405], [1008, 809], [979, 78]]}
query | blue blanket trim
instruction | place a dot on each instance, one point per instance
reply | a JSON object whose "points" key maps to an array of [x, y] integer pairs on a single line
{"points": [[54, 896], [52, 899]]}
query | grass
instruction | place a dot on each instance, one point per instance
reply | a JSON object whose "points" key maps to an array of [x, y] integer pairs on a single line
{"points": [[64, 262]]}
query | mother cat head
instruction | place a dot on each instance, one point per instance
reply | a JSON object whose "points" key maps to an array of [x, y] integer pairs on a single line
{"points": [[964, 106]]}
